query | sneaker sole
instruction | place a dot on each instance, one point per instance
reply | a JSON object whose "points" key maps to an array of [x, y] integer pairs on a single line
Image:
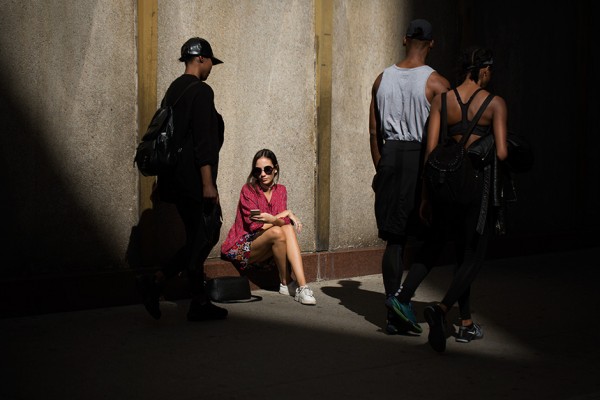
{"points": [[462, 340], [391, 329], [305, 302], [437, 333], [414, 327], [467, 340]]}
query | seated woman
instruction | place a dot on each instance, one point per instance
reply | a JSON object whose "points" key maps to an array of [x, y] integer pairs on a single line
{"points": [[260, 238]]}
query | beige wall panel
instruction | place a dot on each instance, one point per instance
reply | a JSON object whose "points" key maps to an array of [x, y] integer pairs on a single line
{"points": [[265, 90], [68, 98], [361, 50], [367, 38]]}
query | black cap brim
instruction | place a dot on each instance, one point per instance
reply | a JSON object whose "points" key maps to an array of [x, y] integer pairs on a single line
{"points": [[215, 60]]}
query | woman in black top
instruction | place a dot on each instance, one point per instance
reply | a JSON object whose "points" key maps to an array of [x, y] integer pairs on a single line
{"points": [[468, 225], [477, 67]]}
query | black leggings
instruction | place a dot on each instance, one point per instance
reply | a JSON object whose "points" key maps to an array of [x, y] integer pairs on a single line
{"points": [[470, 248], [392, 264]]}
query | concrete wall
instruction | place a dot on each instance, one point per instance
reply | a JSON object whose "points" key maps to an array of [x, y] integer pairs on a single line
{"points": [[265, 90], [367, 38], [68, 112], [268, 93]]}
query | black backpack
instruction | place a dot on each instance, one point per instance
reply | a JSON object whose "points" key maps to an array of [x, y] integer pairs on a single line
{"points": [[158, 151], [449, 173]]}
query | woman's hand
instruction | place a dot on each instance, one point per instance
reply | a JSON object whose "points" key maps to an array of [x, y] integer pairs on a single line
{"points": [[262, 217], [265, 218], [295, 221]]}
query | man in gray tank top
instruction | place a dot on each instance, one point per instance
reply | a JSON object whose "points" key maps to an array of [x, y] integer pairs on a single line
{"points": [[400, 103]]}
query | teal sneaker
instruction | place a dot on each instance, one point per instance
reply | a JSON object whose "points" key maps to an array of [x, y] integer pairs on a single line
{"points": [[405, 312]]}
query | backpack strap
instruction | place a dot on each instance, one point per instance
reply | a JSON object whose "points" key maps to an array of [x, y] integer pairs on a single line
{"points": [[181, 95], [464, 107], [475, 119], [470, 98], [444, 121]]}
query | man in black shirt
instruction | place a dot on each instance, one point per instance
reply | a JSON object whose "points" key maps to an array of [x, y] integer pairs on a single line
{"points": [[192, 184]]}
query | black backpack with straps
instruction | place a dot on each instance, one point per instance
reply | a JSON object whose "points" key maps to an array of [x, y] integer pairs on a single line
{"points": [[449, 173], [158, 151]]}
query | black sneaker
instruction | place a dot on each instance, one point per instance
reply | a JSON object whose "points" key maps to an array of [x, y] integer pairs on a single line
{"points": [[150, 294], [437, 327], [206, 311], [467, 333]]}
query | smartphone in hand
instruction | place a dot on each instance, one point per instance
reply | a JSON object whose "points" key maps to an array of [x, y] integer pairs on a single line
{"points": [[254, 213]]}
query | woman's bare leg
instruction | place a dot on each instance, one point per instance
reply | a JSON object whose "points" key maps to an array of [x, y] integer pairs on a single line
{"points": [[293, 254], [271, 243]]}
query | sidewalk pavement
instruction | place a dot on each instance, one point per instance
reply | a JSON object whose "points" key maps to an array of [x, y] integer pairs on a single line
{"points": [[539, 315]]}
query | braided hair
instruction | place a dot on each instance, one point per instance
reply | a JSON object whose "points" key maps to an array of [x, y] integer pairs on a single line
{"points": [[472, 60]]}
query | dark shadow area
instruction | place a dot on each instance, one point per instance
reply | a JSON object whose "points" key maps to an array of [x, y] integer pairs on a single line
{"points": [[45, 229], [535, 301], [538, 344], [267, 279], [52, 249], [157, 236], [557, 195], [365, 303]]}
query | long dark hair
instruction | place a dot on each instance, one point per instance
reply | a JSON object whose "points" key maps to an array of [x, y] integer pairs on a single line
{"points": [[263, 153]]}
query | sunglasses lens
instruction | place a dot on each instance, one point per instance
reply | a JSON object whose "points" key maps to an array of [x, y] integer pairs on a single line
{"points": [[256, 171]]}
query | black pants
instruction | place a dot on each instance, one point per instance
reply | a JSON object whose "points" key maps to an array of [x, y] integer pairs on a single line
{"points": [[199, 241], [457, 223], [396, 187]]}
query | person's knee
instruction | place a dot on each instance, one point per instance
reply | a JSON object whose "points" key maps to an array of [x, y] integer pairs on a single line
{"points": [[288, 228], [277, 233]]}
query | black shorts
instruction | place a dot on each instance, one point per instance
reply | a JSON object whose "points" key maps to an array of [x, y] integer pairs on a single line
{"points": [[397, 189]]}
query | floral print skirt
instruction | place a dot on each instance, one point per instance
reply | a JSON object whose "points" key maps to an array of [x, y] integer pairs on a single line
{"points": [[239, 255]]}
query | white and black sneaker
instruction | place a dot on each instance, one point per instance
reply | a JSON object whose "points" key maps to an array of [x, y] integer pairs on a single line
{"points": [[467, 333]]}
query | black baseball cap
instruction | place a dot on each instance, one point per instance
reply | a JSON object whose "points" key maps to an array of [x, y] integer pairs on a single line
{"points": [[198, 47], [419, 29]]}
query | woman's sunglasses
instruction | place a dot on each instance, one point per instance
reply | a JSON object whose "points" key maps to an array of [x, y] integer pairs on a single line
{"points": [[256, 171]]}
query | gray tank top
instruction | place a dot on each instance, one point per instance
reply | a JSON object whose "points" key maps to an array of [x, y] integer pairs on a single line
{"points": [[403, 106]]}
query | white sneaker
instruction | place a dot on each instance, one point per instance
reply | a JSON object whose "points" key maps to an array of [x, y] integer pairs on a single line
{"points": [[305, 296], [289, 289]]}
